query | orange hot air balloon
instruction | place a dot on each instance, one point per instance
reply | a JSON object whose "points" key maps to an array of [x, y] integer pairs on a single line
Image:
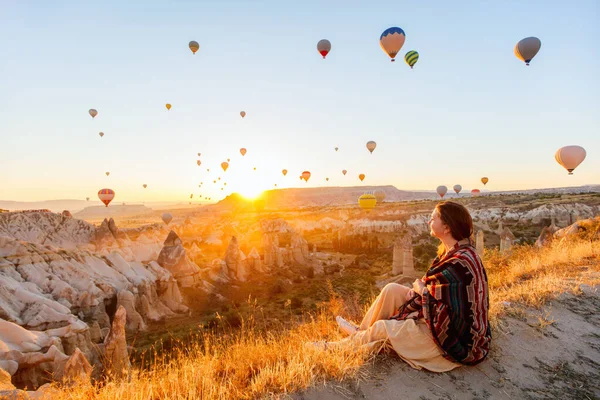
{"points": [[284, 172], [300, 177], [168, 106], [371, 145], [361, 177], [475, 192], [243, 113], [484, 180], [243, 151], [194, 46], [145, 186], [344, 172], [305, 176], [106, 196], [199, 162], [570, 157], [224, 165], [199, 154]]}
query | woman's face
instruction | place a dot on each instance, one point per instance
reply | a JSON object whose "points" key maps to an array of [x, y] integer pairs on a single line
{"points": [[437, 228]]}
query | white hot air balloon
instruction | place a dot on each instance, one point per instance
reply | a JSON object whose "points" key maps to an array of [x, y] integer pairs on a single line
{"points": [[457, 188], [570, 157], [441, 190]]}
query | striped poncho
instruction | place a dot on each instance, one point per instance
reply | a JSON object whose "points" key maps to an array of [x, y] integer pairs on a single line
{"points": [[455, 305]]}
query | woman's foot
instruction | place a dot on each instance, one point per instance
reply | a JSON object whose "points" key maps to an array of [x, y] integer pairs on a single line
{"points": [[347, 327]]}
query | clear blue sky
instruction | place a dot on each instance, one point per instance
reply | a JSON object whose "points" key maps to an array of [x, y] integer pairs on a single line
{"points": [[468, 109]]}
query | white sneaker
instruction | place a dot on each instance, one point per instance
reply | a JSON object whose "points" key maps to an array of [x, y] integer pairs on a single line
{"points": [[347, 327]]}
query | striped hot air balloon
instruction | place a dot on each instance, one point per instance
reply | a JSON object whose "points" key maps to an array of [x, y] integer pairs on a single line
{"points": [[411, 58], [106, 196]]}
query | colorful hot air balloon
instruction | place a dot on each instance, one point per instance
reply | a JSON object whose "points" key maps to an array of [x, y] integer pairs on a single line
{"points": [[168, 106], [106, 196], [367, 201], [371, 146], [305, 175], [101, 134], [224, 165], [344, 172], [441, 190], [194, 46], [243, 151], [411, 58], [167, 217], [527, 48], [145, 186], [457, 188], [107, 173], [484, 180], [361, 177], [324, 47], [379, 195], [243, 113], [570, 157], [391, 41], [284, 172], [475, 192], [93, 112]]}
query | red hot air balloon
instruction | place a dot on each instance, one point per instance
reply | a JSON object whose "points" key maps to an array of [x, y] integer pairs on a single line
{"points": [[106, 196]]}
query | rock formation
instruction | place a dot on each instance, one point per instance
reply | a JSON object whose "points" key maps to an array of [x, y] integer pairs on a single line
{"points": [[403, 262], [236, 261], [115, 346], [479, 242], [174, 258], [506, 240]]}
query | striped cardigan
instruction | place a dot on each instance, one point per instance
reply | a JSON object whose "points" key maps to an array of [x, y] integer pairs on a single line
{"points": [[455, 305]]}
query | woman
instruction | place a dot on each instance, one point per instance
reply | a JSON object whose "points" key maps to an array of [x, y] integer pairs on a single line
{"points": [[442, 322]]}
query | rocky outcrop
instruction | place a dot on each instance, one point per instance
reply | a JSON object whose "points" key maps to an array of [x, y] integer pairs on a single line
{"points": [[299, 249], [236, 261], [115, 347], [403, 262], [174, 258]]}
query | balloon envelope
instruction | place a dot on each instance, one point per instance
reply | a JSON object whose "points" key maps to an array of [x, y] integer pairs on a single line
{"points": [[101, 134], [305, 175], [367, 201], [224, 165], [570, 157], [379, 195], [243, 113], [361, 177], [199, 162], [527, 48], [194, 46], [284, 172], [392, 40], [484, 180], [93, 112], [106, 196], [324, 47], [344, 172], [441, 190], [475, 192], [168, 106], [371, 146], [167, 217], [145, 186], [411, 58], [107, 173], [457, 188], [243, 151]]}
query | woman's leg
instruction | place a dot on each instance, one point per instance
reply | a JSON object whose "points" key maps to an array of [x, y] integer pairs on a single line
{"points": [[385, 305]]}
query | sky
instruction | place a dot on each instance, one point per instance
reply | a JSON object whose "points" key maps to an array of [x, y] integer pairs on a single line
{"points": [[468, 109]]}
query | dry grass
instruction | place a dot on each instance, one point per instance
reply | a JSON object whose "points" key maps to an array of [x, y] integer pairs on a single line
{"points": [[254, 363]]}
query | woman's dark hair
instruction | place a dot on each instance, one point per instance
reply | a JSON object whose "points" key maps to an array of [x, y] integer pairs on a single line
{"points": [[457, 218]]}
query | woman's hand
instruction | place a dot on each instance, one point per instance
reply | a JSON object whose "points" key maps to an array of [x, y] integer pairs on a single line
{"points": [[418, 286]]}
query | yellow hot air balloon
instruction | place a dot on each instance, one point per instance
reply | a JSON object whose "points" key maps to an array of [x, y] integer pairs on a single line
{"points": [[527, 48], [107, 173], [219, 178], [145, 186], [361, 177], [194, 46], [379, 195], [305, 175], [224, 165], [441, 190], [371, 146], [411, 58], [344, 172], [255, 168], [243, 113], [367, 201], [243, 151], [93, 112], [570, 157], [101, 134], [284, 172], [392, 40], [484, 180], [168, 106]]}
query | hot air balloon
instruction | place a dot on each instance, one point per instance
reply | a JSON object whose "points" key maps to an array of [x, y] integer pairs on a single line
{"points": [[527, 48], [379, 195], [167, 217], [194, 46], [570, 157], [457, 188], [484, 180], [207, 169], [391, 41], [411, 58], [214, 181], [107, 173], [475, 192], [101, 134], [344, 172], [199, 162], [243, 151], [224, 183], [371, 146], [106, 196], [284, 172], [93, 112], [305, 175], [441, 190], [361, 177], [327, 179], [336, 149], [367, 201], [324, 47], [219, 178], [300, 177], [243, 113], [168, 106], [87, 199], [145, 186], [228, 160], [224, 165], [255, 168], [191, 195]]}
